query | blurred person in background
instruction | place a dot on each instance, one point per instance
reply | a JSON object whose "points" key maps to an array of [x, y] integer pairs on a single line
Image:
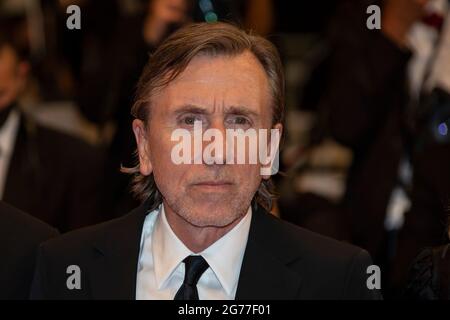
{"points": [[425, 226], [380, 110], [367, 100], [430, 194], [48, 174], [372, 101], [429, 276]]}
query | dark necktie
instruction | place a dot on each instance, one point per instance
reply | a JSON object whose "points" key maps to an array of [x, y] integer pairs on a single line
{"points": [[194, 268]]}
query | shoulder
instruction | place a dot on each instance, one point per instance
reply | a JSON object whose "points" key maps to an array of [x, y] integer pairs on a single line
{"points": [[329, 269], [14, 222], [309, 244], [87, 248], [78, 243]]}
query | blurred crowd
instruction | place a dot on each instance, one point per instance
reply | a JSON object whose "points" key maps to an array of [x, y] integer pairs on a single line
{"points": [[367, 153]]}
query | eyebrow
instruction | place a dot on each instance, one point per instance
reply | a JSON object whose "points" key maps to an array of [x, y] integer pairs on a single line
{"points": [[190, 108], [239, 110]]}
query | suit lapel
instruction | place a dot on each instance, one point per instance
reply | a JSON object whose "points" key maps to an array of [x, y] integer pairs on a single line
{"points": [[117, 254], [265, 273]]}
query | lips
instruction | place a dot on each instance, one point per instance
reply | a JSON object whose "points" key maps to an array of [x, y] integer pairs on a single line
{"points": [[213, 186], [213, 183]]}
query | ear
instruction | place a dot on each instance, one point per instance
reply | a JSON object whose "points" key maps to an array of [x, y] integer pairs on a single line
{"points": [[278, 127], [140, 133]]}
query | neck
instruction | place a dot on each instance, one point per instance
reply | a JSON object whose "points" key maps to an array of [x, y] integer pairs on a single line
{"points": [[196, 238]]}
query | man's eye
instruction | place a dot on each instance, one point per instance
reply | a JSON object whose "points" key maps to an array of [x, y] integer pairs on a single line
{"points": [[190, 120], [239, 121]]}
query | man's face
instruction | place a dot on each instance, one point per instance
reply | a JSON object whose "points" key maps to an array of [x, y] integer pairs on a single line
{"points": [[12, 76], [222, 93]]}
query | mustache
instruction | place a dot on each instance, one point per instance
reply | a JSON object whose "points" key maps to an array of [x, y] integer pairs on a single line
{"points": [[219, 175]]}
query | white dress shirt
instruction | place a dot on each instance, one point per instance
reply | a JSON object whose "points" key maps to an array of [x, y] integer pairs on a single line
{"points": [[8, 134], [161, 270]]}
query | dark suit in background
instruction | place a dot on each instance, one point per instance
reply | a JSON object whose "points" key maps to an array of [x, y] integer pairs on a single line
{"points": [[281, 261], [370, 111], [366, 101], [54, 177], [20, 235]]}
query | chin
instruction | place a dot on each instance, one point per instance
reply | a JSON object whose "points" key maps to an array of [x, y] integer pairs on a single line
{"points": [[212, 214], [219, 216], [210, 209]]}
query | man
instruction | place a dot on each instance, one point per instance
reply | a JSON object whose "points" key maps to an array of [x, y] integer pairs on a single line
{"points": [[20, 235], [40, 169], [204, 230]]}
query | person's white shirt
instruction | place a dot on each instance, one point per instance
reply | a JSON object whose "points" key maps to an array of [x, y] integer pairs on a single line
{"points": [[161, 270], [8, 133]]}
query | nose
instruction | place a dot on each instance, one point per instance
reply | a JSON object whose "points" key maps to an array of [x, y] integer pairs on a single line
{"points": [[214, 143]]}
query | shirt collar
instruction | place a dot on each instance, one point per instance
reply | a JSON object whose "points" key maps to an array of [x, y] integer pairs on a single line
{"points": [[168, 251], [224, 256]]}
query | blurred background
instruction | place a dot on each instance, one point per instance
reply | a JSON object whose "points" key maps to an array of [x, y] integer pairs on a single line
{"points": [[367, 152]]}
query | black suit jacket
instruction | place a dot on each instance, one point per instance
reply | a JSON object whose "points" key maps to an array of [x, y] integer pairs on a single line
{"points": [[20, 236], [281, 261], [54, 177]]}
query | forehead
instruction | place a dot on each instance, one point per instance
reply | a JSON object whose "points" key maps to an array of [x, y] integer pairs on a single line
{"points": [[219, 81]]}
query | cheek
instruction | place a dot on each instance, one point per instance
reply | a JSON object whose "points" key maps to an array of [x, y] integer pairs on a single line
{"points": [[168, 175], [168, 178], [248, 175]]}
